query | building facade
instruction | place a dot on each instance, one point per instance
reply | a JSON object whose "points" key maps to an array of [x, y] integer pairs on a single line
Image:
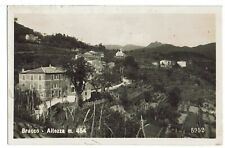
{"points": [[50, 82], [120, 54]]}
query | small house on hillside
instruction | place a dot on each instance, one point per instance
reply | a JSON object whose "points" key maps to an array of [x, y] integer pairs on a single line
{"points": [[166, 63], [93, 55], [182, 64], [97, 64], [32, 38], [120, 54], [86, 94]]}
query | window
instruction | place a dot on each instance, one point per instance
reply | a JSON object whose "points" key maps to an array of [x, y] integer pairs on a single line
{"points": [[72, 89], [31, 77], [52, 77], [59, 76], [39, 86], [53, 93], [23, 77], [39, 77], [59, 93]]}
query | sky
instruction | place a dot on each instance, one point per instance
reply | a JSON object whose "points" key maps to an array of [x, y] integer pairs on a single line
{"points": [[126, 28]]}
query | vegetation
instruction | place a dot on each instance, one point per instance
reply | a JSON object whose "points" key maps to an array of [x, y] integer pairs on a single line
{"points": [[79, 71], [148, 107]]}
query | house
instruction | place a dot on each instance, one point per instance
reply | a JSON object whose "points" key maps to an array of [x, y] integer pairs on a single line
{"points": [[120, 54], [86, 94], [182, 64], [93, 55], [166, 63], [32, 38], [95, 59], [97, 64], [48, 81]]}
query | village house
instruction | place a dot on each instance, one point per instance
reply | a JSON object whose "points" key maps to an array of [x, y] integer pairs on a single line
{"points": [[98, 65], [32, 38], [50, 82], [86, 94], [120, 54], [95, 60], [93, 55], [166, 63], [182, 64]]}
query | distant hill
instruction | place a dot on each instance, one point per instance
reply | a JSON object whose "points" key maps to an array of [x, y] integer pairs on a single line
{"points": [[124, 48], [111, 47], [155, 44], [131, 47], [170, 51], [56, 40]]}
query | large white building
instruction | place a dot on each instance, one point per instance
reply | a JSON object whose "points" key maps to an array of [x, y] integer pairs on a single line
{"points": [[120, 54]]}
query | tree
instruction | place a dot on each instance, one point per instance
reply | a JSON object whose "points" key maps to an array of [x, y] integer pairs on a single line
{"points": [[102, 80], [174, 97], [131, 67], [130, 61], [124, 99], [79, 71], [25, 101]]}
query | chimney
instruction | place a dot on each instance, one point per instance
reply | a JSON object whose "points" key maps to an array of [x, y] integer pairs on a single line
{"points": [[23, 70], [50, 65]]}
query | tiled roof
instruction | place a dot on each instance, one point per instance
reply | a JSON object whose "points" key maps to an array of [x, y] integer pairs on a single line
{"points": [[50, 69]]}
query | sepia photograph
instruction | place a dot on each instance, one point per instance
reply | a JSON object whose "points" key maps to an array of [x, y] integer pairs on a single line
{"points": [[114, 72]]}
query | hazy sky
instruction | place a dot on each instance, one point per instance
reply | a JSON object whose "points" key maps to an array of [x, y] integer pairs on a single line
{"points": [[126, 28]]}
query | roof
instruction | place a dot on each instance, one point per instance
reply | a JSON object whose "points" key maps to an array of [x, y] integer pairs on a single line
{"points": [[44, 70]]}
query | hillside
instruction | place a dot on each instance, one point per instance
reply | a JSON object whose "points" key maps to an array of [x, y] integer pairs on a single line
{"points": [[127, 47], [207, 51], [112, 47], [131, 47], [52, 49], [155, 44]]}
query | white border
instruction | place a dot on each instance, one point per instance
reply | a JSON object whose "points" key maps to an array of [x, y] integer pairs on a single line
{"points": [[3, 48], [113, 2], [163, 141]]}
